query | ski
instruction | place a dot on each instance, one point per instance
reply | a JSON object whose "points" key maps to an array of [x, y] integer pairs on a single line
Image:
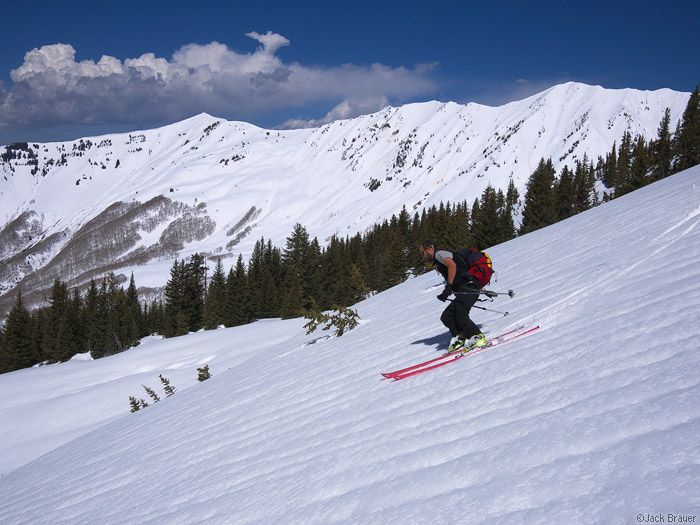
{"points": [[443, 356], [448, 358]]}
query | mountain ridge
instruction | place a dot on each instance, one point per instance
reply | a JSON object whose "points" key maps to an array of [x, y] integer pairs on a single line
{"points": [[206, 185]]}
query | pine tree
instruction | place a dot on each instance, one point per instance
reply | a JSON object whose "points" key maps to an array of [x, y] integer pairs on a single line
{"points": [[687, 138], [174, 298], [269, 296], [584, 186], [609, 172], [112, 298], [624, 165], [293, 296], [360, 290], [167, 387], [474, 226], [294, 256], [256, 268], [539, 210], [337, 275], [313, 286], [194, 291], [69, 337], [151, 393], [459, 234], [487, 223], [564, 194], [392, 270], [662, 156], [16, 348], [512, 195], [640, 166], [57, 303], [359, 271], [131, 321], [506, 225], [93, 333], [215, 304], [237, 310], [298, 270]]}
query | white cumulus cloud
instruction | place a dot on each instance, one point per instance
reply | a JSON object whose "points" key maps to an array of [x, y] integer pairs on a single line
{"points": [[53, 87]]}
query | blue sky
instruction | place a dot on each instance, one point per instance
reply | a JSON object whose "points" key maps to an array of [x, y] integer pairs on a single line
{"points": [[301, 63]]}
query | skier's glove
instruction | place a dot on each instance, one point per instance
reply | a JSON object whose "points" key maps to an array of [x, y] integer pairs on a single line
{"points": [[445, 293]]}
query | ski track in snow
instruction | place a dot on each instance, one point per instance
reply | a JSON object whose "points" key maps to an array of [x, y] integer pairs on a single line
{"points": [[594, 418]]}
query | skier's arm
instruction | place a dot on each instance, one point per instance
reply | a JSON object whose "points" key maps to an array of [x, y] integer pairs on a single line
{"points": [[451, 270]]}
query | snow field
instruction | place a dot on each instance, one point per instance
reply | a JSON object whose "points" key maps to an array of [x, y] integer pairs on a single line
{"points": [[595, 418]]}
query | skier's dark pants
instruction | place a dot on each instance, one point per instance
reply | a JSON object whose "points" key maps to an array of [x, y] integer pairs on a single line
{"points": [[456, 316]]}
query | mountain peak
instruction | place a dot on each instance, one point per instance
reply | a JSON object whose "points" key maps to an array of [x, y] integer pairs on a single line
{"points": [[214, 187]]}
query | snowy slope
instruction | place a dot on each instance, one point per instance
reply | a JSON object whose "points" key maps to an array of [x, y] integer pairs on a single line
{"points": [[136, 201], [593, 419]]}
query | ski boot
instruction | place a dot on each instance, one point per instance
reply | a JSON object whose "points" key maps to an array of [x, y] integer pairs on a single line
{"points": [[458, 343], [473, 342]]}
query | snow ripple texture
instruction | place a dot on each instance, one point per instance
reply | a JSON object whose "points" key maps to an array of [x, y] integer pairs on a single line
{"points": [[594, 419]]}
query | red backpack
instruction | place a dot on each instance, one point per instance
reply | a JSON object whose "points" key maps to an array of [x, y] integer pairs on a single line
{"points": [[477, 265]]}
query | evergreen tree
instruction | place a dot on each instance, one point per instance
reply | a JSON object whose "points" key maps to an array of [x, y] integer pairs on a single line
{"points": [[584, 186], [102, 338], [16, 348], [313, 286], [359, 270], [299, 272], [237, 296], [392, 270], [194, 291], [609, 171], [174, 299], [360, 290], [640, 166], [268, 292], [624, 165], [256, 268], [69, 337], [458, 235], [474, 226], [215, 304], [564, 191], [293, 296], [512, 195], [336, 269], [57, 303], [662, 149], [506, 226], [539, 210], [93, 332], [133, 327], [111, 297], [154, 315], [688, 136], [488, 224]]}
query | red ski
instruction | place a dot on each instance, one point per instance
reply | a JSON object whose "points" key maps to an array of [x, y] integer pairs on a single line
{"points": [[446, 359]]}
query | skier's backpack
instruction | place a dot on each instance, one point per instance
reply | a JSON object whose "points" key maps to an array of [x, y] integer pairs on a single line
{"points": [[477, 266]]}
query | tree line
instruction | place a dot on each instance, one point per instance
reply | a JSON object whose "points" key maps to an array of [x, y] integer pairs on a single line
{"points": [[284, 282], [105, 320], [632, 164]]}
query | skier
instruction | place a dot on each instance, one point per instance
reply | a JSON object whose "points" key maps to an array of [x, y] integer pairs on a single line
{"points": [[457, 280]]}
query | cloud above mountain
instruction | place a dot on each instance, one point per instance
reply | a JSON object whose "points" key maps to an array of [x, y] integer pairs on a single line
{"points": [[53, 87]]}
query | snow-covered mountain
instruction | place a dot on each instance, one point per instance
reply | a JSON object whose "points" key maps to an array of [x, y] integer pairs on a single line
{"points": [[134, 202], [595, 418]]}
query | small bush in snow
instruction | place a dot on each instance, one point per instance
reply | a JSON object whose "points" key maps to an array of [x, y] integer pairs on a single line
{"points": [[341, 318]]}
